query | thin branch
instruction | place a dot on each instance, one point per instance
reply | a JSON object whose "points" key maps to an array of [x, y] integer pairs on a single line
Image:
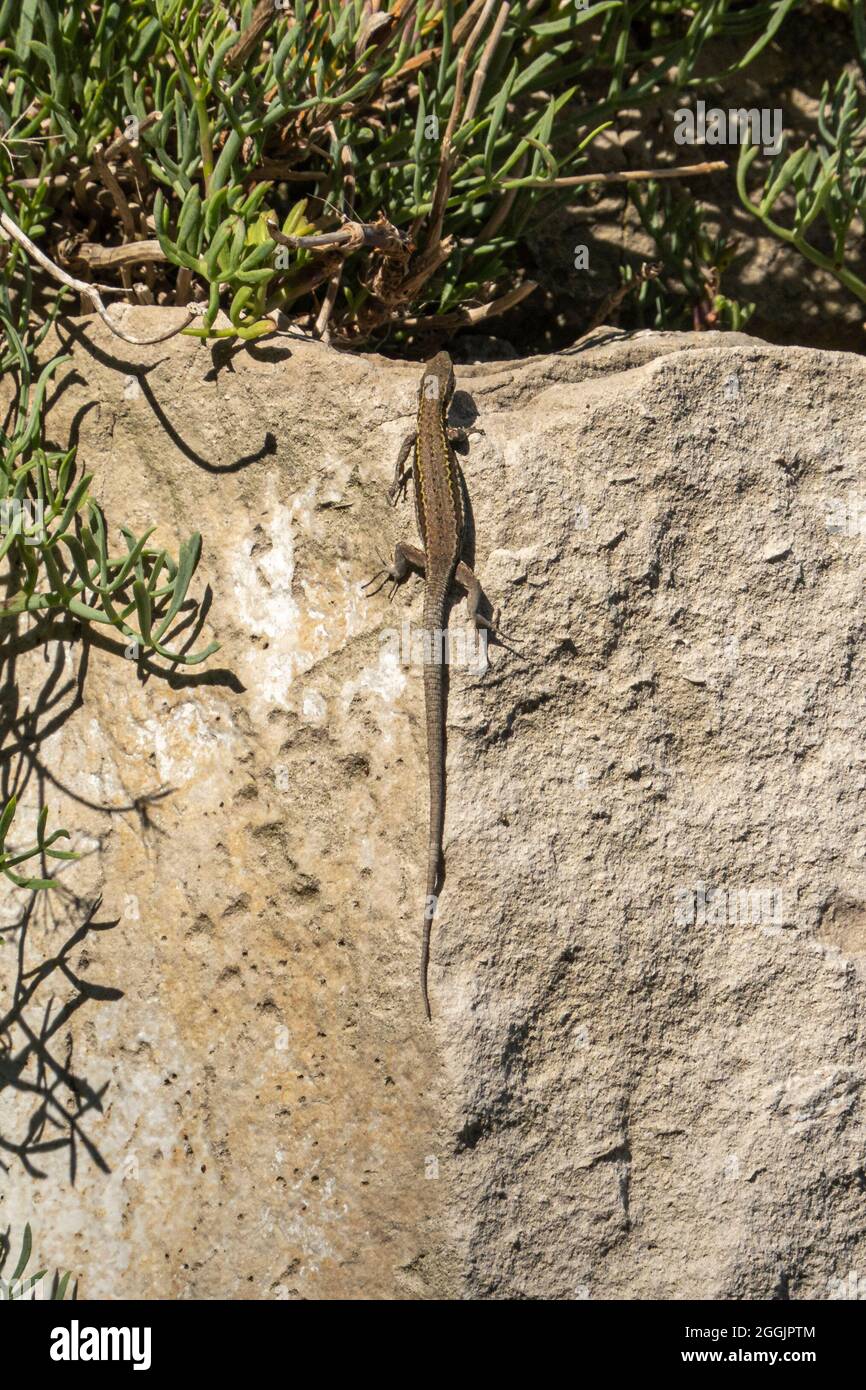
{"points": [[283, 170], [465, 54], [109, 181], [381, 236], [117, 257], [610, 304], [500, 212], [438, 256], [124, 143], [463, 24], [680, 171], [183, 287], [446, 158], [481, 71], [46, 180], [321, 328], [348, 197], [265, 11], [413, 64], [90, 291], [460, 318]]}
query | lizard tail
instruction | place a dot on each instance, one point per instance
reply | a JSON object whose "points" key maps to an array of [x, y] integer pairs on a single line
{"points": [[425, 960], [434, 700]]}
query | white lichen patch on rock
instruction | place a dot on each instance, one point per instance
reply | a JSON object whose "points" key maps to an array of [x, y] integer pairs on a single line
{"points": [[183, 741], [296, 618]]}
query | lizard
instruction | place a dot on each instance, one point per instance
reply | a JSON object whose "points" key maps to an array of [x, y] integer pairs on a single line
{"points": [[441, 516]]}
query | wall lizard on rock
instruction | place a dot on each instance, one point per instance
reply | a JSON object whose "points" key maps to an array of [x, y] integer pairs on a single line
{"points": [[439, 507]]}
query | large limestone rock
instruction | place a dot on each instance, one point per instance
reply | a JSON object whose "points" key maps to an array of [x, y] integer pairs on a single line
{"points": [[644, 1077]]}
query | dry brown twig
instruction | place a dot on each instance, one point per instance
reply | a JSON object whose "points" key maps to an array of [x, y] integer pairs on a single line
{"points": [[125, 143], [97, 257], [501, 211], [481, 71], [464, 24], [265, 11], [650, 270], [379, 236], [11, 229], [446, 155], [438, 257], [679, 171], [313, 276], [460, 318], [128, 144], [323, 318], [109, 182]]}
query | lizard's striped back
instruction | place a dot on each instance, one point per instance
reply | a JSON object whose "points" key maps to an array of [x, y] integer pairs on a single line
{"points": [[438, 494], [439, 509]]}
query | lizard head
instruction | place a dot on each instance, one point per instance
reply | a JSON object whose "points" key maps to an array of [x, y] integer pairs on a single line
{"points": [[437, 383]]}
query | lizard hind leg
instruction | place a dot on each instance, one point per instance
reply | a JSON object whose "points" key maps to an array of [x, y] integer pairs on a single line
{"points": [[475, 596], [406, 559]]}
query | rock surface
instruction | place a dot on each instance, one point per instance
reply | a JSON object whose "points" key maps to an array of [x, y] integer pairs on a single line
{"points": [[645, 1073]]}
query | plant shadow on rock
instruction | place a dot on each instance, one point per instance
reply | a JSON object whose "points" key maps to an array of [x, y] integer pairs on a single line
{"points": [[24, 728], [40, 1000], [72, 334], [36, 1054]]}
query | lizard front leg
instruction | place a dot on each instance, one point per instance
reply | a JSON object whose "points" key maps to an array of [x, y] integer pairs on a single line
{"points": [[401, 474], [458, 435]]}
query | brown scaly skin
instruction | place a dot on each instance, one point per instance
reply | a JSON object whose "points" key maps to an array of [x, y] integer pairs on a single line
{"points": [[439, 510]]}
